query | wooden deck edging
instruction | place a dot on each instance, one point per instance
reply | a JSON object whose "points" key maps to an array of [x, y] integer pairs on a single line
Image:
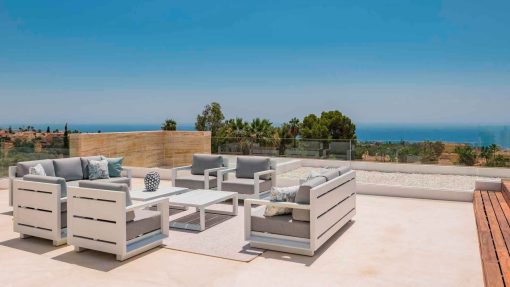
{"points": [[492, 214]]}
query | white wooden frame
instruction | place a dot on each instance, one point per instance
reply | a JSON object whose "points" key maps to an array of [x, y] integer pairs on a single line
{"points": [[332, 205], [37, 211], [257, 193], [207, 172], [12, 176], [96, 220]]}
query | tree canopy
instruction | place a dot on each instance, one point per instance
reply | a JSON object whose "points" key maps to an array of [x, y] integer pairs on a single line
{"points": [[211, 119]]}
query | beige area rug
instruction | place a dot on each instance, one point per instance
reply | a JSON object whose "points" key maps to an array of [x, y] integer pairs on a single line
{"points": [[223, 236]]}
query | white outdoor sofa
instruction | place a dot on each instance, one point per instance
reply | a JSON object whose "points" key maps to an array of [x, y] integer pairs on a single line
{"points": [[73, 170], [254, 177], [39, 208], [323, 205], [102, 217], [203, 172]]}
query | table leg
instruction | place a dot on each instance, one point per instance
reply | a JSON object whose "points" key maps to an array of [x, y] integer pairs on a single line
{"points": [[202, 219], [235, 203]]}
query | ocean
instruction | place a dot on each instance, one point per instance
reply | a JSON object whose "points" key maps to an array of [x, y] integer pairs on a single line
{"points": [[472, 134]]}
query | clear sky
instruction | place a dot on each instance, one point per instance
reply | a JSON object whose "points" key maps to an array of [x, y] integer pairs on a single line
{"points": [[421, 61]]}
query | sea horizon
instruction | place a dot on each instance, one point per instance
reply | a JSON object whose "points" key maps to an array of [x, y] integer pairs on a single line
{"points": [[480, 135]]}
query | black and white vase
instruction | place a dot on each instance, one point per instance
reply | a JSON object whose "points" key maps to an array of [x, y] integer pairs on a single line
{"points": [[151, 181]]}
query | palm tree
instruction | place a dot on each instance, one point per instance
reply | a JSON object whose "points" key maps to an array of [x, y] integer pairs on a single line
{"points": [[294, 125], [261, 131], [234, 131]]}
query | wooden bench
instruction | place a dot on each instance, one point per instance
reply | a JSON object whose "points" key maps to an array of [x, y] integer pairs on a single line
{"points": [[492, 213]]}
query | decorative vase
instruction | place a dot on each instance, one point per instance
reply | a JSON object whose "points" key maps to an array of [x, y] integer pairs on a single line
{"points": [[151, 181]]}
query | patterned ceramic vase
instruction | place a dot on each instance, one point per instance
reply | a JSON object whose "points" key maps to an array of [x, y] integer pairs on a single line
{"points": [[151, 181]]}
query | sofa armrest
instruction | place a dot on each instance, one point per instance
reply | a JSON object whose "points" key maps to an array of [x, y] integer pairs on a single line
{"points": [[176, 169], [206, 175], [128, 172], [292, 205], [221, 173]]}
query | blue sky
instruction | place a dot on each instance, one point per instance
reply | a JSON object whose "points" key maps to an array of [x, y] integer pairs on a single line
{"points": [[142, 61]]}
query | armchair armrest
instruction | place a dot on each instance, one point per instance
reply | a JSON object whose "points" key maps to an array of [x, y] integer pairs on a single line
{"points": [[277, 204], [12, 171], [148, 203], [206, 175], [222, 172], [257, 175], [176, 169]]}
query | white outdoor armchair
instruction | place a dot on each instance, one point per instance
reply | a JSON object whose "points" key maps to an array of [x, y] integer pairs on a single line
{"points": [[203, 172], [254, 177], [107, 221]]}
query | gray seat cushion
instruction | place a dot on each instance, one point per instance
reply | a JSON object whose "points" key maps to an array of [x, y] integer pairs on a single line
{"points": [[247, 166], [49, 179], [245, 185], [85, 164], [23, 168], [144, 221], [195, 181], [121, 187], [68, 168], [280, 224], [201, 162], [63, 219]]}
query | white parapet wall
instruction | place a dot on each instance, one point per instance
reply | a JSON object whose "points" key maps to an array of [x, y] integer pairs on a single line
{"points": [[491, 180], [414, 192]]}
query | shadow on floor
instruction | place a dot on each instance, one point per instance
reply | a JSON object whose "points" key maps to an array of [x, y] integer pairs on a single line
{"points": [[96, 260], [34, 245], [308, 260], [211, 219], [8, 213]]}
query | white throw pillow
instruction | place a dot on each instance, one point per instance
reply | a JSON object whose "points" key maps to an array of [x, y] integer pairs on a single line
{"points": [[98, 169], [37, 169], [281, 194]]}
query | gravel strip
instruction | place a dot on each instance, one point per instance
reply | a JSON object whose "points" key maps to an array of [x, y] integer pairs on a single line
{"points": [[436, 181]]}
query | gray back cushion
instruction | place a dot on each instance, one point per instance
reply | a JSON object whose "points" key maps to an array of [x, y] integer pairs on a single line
{"points": [[247, 166], [344, 170], [121, 187], [49, 179], [23, 168], [330, 174], [68, 168], [201, 162], [85, 164], [303, 194], [108, 186]]}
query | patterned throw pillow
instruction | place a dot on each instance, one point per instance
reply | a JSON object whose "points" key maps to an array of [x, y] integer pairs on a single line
{"points": [[281, 194], [98, 169], [38, 169]]}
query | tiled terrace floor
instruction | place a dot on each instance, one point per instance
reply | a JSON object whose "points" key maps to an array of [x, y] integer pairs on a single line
{"points": [[393, 242]]}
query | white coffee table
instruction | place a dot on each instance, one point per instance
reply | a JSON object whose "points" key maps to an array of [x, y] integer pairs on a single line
{"points": [[142, 195], [201, 199]]}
